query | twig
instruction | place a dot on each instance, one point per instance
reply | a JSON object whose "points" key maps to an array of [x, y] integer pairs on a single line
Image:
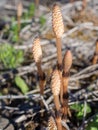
{"points": [[20, 97], [65, 125], [79, 27], [84, 76], [90, 68], [90, 118], [31, 67], [9, 108], [49, 100], [88, 100], [45, 103]]}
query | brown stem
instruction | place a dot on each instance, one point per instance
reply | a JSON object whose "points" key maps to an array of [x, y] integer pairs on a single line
{"points": [[42, 86], [95, 59], [59, 51], [61, 91], [96, 50], [59, 57], [37, 3], [84, 4], [19, 25], [65, 95], [58, 121], [37, 11], [58, 116], [71, 1], [65, 109], [40, 72], [41, 78], [65, 83], [63, 128], [56, 102]]}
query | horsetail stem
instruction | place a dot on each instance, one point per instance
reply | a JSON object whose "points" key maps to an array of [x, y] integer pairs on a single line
{"points": [[84, 3], [19, 14], [57, 21], [37, 53], [55, 86], [58, 28], [67, 63], [95, 58], [52, 124], [37, 3]]}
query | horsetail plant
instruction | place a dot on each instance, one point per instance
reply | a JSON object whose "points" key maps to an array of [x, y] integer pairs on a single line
{"points": [[71, 1], [52, 124], [84, 3], [96, 51], [67, 62], [55, 86], [58, 29], [37, 54], [19, 14], [95, 58], [37, 3]]}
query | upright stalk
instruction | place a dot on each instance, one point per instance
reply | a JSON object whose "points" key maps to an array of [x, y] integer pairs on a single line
{"points": [[19, 24], [67, 62], [19, 14], [71, 1], [41, 78], [84, 4], [95, 58], [58, 28], [59, 53], [37, 3], [37, 53], [37, 11], [55, 86], [65, 94]]}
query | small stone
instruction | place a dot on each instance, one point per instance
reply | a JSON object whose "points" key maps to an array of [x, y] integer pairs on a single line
{"points": [[5, 124]]}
